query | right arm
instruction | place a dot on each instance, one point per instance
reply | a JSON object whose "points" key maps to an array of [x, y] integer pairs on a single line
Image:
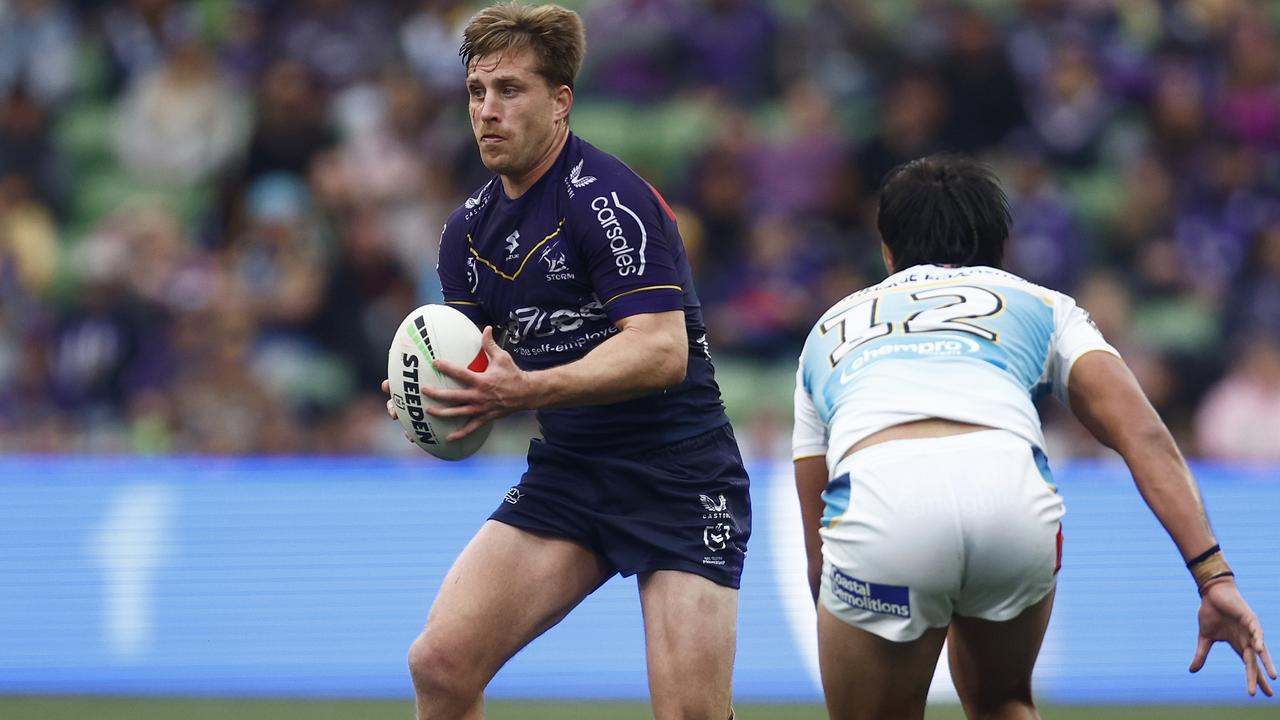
{"points": [[1107, 399]]}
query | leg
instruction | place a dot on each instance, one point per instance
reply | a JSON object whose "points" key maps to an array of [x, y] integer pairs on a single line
{"points": [[690, 631], [866, 677], [991, 662], [506, 588]]}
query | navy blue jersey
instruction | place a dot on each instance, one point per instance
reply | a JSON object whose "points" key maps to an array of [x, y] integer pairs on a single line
{"points": [[589, 244]]}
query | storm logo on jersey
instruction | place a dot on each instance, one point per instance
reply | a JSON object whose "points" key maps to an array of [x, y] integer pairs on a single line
{"points": [[557, 262]]}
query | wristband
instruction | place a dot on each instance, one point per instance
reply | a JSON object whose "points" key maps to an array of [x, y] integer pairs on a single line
{"points": [[1208, 566]]}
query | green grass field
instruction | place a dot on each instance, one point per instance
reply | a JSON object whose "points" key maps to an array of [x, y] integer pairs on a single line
{"points": [[77, 708]]}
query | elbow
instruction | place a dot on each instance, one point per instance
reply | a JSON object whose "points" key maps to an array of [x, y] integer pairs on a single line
{"points": [[1148, 437], [674, 367], [672, 364]]}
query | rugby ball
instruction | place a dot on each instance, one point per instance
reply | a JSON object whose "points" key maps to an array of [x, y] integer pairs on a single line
{"points": [[429, 333]]}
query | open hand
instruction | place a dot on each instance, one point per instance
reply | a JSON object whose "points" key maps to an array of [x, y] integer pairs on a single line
{"points": [[499, 390], [1225, 616]]}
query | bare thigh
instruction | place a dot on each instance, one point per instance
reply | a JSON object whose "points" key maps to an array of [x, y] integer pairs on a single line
{"points": [[991, 662], [865, 677], [507, 587], [690, 629]]}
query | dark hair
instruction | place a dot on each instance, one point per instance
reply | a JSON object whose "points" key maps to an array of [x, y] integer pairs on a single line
{"points": [[943, 210], [555, 35]]}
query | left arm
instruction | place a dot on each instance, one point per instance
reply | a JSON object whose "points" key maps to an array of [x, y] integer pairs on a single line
{"points": [[811, 480], [649, 353], [809, 450]]}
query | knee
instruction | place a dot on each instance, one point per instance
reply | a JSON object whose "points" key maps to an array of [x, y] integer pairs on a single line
{"points": [[1007, 703], [436, 670], [691, 705]]}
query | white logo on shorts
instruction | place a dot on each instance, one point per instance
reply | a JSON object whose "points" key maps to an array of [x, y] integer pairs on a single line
{"points": [[513, 495], [717, 509], [716, 537]]}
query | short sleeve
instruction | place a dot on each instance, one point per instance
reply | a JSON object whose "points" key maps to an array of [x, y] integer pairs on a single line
{"points": [[629, 242], [809, 434], [457, 271], [1074, 335]]}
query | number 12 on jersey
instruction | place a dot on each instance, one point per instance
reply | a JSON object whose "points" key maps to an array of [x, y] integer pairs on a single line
{"points": [[860, 323]]}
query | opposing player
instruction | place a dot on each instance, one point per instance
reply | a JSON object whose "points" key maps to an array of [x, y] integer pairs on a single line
{"points": [[928, 506], [579, 264]]}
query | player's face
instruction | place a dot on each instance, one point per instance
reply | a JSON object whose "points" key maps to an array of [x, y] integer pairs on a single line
{"points": [[515, 114]]}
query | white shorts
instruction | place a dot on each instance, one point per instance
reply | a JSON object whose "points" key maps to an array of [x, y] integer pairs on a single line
{"points": [[960, 525]]}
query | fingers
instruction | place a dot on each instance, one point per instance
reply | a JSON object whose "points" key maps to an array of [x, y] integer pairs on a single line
{"points": [[453, 411], [1250, 671], [474, 424], [465, 375], [391, 408], [1202, 652], [448, 396], [1261, 648], [456, 372]]}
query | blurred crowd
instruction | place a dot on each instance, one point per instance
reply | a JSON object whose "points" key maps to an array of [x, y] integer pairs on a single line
{"points": [[213, 214]]}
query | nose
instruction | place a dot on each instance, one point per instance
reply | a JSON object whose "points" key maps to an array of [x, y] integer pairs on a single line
{"points": [[489, 107]]}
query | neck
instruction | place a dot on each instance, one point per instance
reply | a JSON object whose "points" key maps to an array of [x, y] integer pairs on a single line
{"points": [[517, 185]]}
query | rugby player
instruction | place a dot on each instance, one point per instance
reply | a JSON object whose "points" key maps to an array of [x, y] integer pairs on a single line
{"points": [[928, 506], [578, 264]]}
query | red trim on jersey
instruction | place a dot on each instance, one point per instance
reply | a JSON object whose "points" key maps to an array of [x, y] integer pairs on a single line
{"points": [[661, 201], [480, 363], [1057, 565]]}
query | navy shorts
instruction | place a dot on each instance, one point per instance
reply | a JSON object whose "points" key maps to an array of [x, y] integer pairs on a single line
{"points": [[685, 506]]}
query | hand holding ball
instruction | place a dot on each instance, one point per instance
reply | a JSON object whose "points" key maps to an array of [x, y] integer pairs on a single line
{"points": [[429, 333]]}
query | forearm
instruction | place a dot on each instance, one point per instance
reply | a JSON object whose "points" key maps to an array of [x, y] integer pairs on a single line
{"points": [[1107, 399], [643, 357], [811, 481], [1167, 486]]}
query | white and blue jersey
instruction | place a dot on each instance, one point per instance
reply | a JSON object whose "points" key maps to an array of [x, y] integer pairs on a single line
{"points": [[970, 344]]}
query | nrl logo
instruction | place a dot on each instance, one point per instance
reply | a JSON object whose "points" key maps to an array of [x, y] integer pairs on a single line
{"points": [[716, 537]]}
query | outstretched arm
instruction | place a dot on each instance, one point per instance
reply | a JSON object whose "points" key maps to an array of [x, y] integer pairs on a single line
{"points": [[1107, 398]]}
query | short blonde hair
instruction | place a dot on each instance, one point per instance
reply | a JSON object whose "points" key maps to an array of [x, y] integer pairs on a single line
{"points": [[555, 35]]}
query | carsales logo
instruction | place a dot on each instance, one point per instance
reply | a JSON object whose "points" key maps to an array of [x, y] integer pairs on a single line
{"points": [[627, 246]]}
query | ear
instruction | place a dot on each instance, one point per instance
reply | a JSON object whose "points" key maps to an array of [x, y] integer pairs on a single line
{"points": [[887, 254], [563, 99]]}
